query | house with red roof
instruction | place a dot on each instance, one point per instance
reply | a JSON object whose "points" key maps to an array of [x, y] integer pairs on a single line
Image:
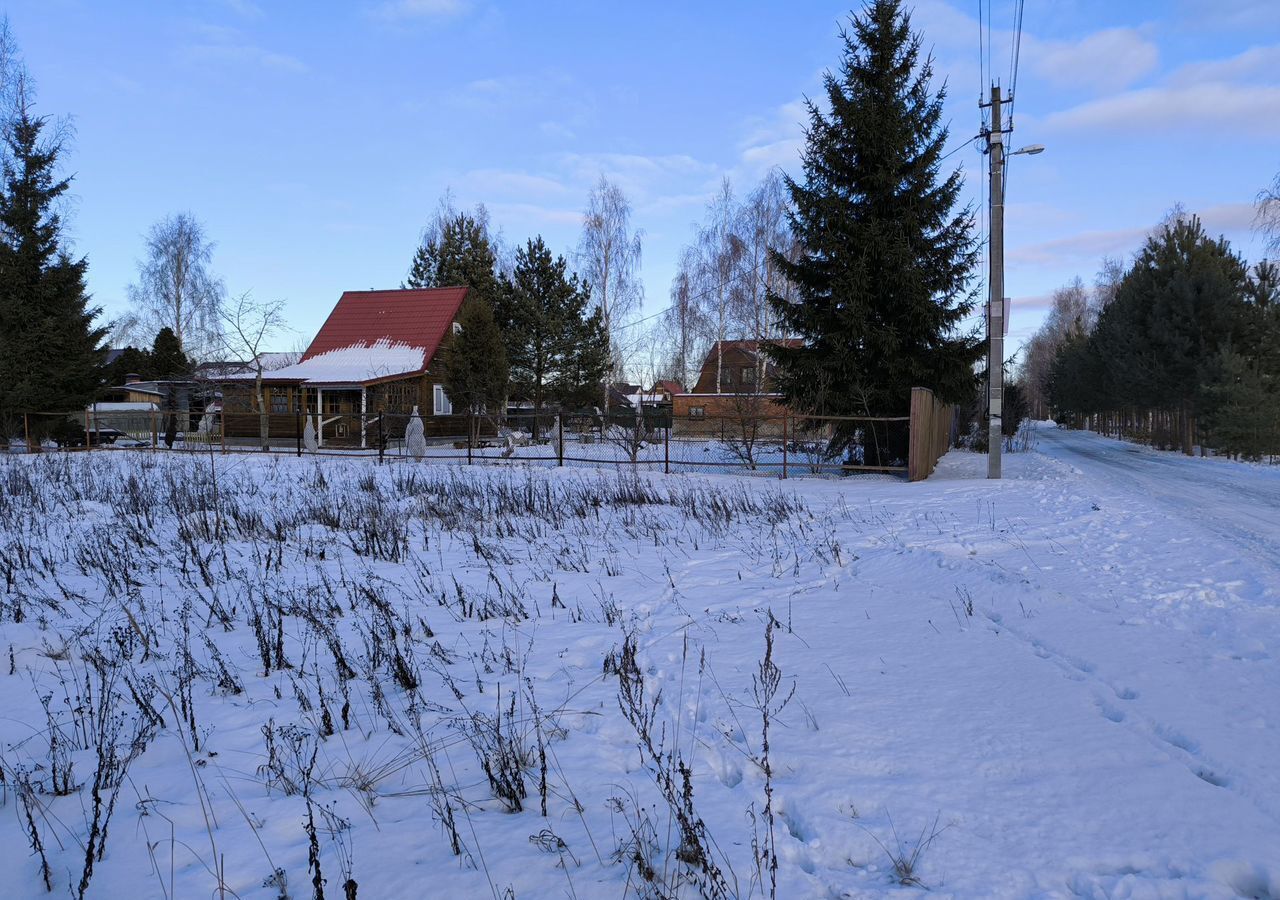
{"points": [[377, 352]]}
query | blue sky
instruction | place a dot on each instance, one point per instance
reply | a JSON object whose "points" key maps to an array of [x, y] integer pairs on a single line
{"points": [[313, 139]]}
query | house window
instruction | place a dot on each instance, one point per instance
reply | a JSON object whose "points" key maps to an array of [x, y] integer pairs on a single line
{"points": [[726, 378], [749, 375], [697, 412], [442, 405], [279, 401]]}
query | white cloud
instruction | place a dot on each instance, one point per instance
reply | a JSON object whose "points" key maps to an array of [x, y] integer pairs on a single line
{"points": [[1255, 64], [422, 9], [221, 44], [1233, 109], [1103, 61], [1238, 95], [246, 8], [774, 140], [1091, 246], [503, 183], [535, 214], [1231, 14], [644, 179]]}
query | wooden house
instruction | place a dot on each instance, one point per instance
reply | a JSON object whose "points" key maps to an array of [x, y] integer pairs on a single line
{"points": [[377, 352], [735, 382]]}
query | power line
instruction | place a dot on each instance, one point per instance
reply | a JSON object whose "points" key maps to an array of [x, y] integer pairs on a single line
{"points": [[707, 293], [1014, 58]]}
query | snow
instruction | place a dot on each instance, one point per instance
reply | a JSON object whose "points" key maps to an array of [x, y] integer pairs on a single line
{"points": [[1068, 678], [121, 407], [356, 364]]}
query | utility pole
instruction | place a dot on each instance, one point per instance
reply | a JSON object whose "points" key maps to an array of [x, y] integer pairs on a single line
{"points": [[995, 283]]}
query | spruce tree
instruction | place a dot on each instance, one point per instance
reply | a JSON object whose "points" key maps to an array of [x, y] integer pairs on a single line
{"points": [[475, 365], [50, 358], [130, 361], [882, 279], [167, 359]]}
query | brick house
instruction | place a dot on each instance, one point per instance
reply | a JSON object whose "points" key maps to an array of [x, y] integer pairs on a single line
{"points": [[735, 383], [378, 351]]}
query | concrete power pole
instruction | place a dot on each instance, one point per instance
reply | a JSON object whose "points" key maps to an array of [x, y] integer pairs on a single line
{"points": [[995, 281]]}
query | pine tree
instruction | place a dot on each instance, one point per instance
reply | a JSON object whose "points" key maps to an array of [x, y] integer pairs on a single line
{"points": [[475, 364], [461, 256], [549, 344], [588, 364], [882, 277], [422, 271], [50, 358]]}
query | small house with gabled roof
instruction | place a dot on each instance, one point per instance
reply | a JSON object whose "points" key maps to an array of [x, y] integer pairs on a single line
{"points": [[377, 352]]}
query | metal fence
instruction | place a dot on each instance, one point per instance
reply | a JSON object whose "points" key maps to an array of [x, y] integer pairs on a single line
{"points": [[779, 446]]}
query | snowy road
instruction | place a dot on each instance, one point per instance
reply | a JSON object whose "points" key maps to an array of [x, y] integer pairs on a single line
{"points": [[1205, 493]]}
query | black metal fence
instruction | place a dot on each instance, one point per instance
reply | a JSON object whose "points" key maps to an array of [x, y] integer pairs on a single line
{"points": [[779, 446]]}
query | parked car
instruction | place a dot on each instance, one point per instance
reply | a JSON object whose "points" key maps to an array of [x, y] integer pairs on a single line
{"points": [[101, 436]]}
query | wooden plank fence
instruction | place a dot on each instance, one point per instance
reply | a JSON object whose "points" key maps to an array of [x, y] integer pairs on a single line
{"points": [[930, 434]]}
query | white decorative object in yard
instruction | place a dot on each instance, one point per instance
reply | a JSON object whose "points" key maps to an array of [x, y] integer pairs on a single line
{"points": [[309, 436], [206, 424], [513, 438], [415, 437]]}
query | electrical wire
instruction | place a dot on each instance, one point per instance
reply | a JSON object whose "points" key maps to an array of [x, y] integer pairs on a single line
{"points": [[707, 293]]}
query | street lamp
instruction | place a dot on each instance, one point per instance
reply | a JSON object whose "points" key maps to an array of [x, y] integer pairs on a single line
{"points": [[995, 281]]}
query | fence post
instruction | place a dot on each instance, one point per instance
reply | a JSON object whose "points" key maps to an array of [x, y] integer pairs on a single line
{"points": [[666, 446], [26, 433], [297, 426], [560, 439], [382, 445], [470, 430], [222, 430], [88, 441], [785, 438], [914, 426]]}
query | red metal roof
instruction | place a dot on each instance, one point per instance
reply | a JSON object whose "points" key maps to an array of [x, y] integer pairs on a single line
{"points": [[416, 317]]}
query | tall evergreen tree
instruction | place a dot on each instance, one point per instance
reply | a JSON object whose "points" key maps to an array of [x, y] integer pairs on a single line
{"points": [[50, 357], [587, 365], [475, 364], [462, 254], [882, 280], [549, 344], [130, 361], [167, 359]]}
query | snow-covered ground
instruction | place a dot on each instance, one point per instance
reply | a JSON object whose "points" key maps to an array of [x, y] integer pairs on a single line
{"points": [[1061, 684]]}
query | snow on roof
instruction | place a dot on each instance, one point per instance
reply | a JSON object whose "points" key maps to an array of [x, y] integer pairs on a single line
{"points": [[355, 364], [104, 407], [274, 360]]}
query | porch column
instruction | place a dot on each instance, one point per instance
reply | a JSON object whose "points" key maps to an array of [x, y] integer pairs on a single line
{"points": [[364, 407], [319, 417]]}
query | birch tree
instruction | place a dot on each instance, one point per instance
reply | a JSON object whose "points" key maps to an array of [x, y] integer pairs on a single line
{"points": [[248, 324], [176, 287], [1268, 215], [609, 261], [683, 323]]}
